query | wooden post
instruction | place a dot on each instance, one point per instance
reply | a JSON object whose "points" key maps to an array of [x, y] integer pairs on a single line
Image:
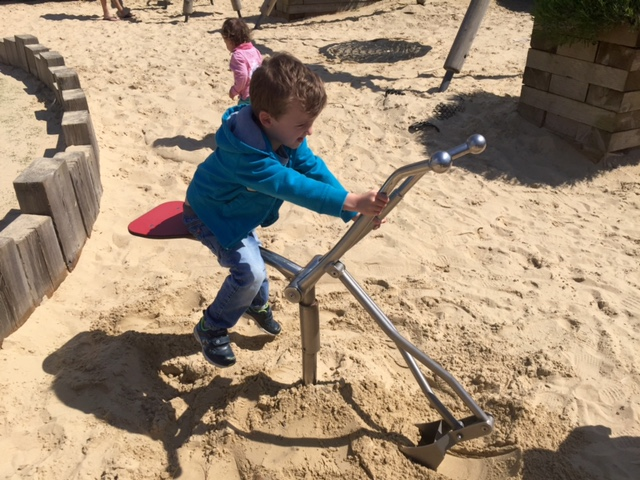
{"points": [[15, 302], [265, 11], [3, 52], [47, 60], [66, 78], [45, 188], [464, 39], [78, 130], [21, 42], [187, 9], [94, 166], [63, 78], [86, 195], [40, 254], [237, 6], [11, 51], [74, 100], [30, 52]]}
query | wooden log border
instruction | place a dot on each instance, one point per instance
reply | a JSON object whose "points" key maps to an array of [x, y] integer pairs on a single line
{"points": [[59, 197]]}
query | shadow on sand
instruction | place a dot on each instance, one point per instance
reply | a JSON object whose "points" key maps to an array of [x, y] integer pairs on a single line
{"points": [[517, 150], [588, 453], [129, 381], [51, 114]]}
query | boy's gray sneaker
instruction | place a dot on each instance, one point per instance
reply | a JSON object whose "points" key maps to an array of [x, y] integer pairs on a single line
{"points": [[216, 345], [264, 319]]}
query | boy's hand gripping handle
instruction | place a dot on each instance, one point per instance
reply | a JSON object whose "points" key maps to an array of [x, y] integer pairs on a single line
{"points": [[439, 162]]}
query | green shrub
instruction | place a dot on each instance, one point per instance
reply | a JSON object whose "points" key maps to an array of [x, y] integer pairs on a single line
{"points": [[567, 21]]}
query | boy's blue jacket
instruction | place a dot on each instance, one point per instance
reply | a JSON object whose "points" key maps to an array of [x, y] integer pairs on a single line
{"points": [[243, 183]]}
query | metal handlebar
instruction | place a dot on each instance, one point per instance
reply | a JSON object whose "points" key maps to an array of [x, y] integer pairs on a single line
{"points": [[439, 162]]}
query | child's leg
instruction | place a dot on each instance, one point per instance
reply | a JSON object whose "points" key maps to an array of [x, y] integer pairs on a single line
{"points": [[246, 286], [105, 10], [262, 297]]}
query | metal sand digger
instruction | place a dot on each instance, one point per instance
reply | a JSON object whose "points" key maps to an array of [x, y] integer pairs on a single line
{"points": [[438, 436], [165, 221]]}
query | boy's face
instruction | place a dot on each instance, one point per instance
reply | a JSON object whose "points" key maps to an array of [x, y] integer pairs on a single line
{"points": [[290, 129]]}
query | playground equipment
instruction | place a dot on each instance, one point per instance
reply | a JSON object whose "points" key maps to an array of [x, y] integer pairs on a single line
{"points": [[459, 49], [464, 39], [265, 11], [187, 7], [438, 436], [165, 221]]}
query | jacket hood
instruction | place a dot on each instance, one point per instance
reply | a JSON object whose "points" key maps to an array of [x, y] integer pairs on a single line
{"points": [[240, 132]]}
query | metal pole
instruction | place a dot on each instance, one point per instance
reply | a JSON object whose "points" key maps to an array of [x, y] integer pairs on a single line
{"points": [[187, 9], [310, 333], [237, 6], [464, 39], [412, 352]]}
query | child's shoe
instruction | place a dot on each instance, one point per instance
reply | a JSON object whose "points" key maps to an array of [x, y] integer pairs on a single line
{"points": [[264, 319], [216, 345]]}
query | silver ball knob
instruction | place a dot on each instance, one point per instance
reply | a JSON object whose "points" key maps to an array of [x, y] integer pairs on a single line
{"points": [[476, 144], [440, 162]]}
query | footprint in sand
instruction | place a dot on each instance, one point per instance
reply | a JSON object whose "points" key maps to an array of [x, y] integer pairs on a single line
{"points": [[632, 303], [442, 263], [586, 364], [611, 395]]}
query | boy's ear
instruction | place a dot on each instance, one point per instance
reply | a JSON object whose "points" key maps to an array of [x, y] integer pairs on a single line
{"points": [[265, 119]]}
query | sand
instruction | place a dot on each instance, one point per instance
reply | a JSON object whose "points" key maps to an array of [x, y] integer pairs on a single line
{"points": [[517, 270]]}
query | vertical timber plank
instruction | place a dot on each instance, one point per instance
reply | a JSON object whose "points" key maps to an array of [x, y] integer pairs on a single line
{"points": [[45, 188], [77, 129], [3, 52], [66, 78], [11, 51], [74, 100], [40, 253], [16, 304], [85, 191], [49, 59], [30, 52], [94, 166], [21, 42]]}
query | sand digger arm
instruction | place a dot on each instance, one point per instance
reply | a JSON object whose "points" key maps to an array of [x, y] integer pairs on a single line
{"points": [[436, 437]]}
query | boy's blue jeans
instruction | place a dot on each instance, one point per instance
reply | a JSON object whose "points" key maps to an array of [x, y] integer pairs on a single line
{"points": [[247, 284]]}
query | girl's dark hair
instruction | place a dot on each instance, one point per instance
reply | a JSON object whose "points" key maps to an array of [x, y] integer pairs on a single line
{"points": [[236, 30], [282, 79]]}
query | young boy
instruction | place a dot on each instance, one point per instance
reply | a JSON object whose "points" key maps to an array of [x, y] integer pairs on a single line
{"points": [[261, 160]]}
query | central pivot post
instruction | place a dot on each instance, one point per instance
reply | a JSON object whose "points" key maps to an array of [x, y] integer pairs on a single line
{"points": [[310, 333]]}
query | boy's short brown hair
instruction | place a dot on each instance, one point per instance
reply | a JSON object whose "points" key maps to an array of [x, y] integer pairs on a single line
{"points": [[236, 30], [283, 79]]}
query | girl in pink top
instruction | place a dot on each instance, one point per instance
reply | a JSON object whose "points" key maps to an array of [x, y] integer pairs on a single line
{"points": [[245, 58]]}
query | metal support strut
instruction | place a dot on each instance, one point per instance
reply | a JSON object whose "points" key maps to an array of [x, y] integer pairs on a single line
{"points": [[436, 437]]}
